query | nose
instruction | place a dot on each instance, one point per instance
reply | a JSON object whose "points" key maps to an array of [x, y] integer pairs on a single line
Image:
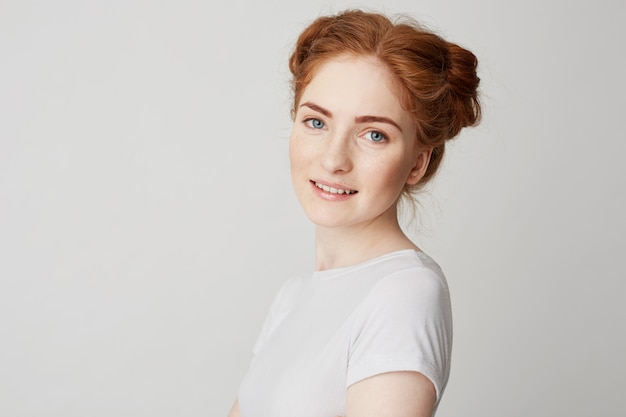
{"points": [[336, 155]]}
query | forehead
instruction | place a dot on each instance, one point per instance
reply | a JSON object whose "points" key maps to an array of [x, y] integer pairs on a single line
{"points": [[350, 84]]}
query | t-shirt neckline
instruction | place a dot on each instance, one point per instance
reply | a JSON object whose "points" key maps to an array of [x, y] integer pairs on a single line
{"points": [[334, 272]]}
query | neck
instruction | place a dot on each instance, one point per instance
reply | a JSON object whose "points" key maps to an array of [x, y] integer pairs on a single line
{"points": [[338, 247]]}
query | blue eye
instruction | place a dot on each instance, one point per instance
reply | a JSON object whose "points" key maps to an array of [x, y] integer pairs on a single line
{"points": [[375, 136], [314, 123]]}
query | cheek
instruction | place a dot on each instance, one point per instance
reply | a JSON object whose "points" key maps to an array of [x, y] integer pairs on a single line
{"points": [[393, 180], [292, 147], [391, 176], [300, 150], [296, 153]]}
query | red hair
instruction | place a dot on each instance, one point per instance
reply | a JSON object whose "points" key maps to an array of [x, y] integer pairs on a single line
{"points": [[438, 79]]}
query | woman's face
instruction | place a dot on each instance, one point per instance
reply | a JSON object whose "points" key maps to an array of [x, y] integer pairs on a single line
{"points": [[353, 147]]}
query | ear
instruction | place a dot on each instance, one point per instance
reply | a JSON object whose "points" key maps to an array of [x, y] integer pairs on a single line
{"points": [[419, 168]]}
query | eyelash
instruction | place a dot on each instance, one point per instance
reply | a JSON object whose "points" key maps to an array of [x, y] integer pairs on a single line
{"points": [[383, 137], [310, 123]]}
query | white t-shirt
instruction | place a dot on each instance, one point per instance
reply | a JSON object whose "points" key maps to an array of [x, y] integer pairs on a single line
{"points": [[336, 327]]}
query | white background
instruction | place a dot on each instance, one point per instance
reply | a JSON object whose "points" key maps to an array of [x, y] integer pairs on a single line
{"points": [[147, 217]]}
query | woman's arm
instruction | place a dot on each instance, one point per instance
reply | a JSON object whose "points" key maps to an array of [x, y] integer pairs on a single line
{"points": [[398, 394], [234, 412]]}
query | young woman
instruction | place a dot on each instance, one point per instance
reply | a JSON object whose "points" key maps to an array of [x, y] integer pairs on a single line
{"points": [[369, 332]]}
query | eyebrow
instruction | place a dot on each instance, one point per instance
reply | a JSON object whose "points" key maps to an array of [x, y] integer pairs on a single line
{"points": [[317, 108], [358, 119], [378, 119]]}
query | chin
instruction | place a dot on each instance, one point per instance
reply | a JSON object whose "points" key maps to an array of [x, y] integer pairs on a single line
{"points": [[328, 220]]}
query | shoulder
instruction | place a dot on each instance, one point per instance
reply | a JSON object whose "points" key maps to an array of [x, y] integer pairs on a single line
{"points": [[404, 324], [413, 278]]}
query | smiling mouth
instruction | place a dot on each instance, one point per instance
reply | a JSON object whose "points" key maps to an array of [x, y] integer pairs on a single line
{"points": [[334, 190]]}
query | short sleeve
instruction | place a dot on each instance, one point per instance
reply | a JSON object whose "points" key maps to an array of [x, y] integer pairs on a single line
{"points": [[404, 324]]}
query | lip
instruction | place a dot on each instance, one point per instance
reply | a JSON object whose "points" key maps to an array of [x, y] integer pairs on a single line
{"points": [[332, 196]]}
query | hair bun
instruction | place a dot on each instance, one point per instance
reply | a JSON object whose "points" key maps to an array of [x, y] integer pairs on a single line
{"points": [[463, 80]]}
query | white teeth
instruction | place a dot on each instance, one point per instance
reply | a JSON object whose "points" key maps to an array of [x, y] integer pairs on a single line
{"points": [[333, 190]]}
